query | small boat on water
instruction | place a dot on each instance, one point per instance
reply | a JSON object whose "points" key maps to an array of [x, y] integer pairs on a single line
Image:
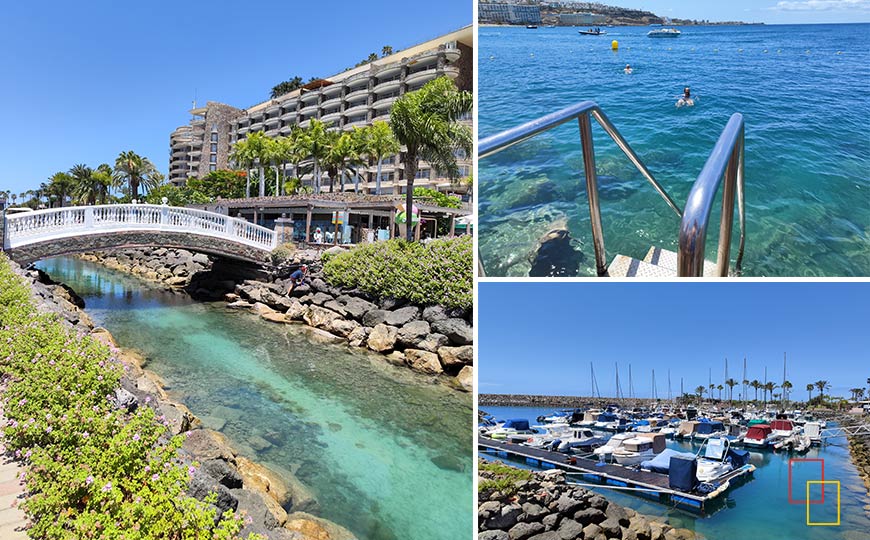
{"points": [[714, 463], [813, 430], [582, 438], [589, 418], [797, 442], [783, 428], [664, 33], [707, 430], [532, 26], [511, 427], [593, 32], [638, 449], [759, 436], [615, 442]]}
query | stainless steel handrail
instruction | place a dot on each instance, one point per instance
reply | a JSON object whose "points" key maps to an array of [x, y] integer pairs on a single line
{"points": [[725, 160], [581, 111]]}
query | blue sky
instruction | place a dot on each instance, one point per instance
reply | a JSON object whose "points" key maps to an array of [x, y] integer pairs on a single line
{"points": [[766, 11], [539, 338], [83, 81]]}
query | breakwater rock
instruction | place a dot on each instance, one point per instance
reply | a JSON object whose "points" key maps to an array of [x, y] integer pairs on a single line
{"points": [[432, 339], [524, 400], [859, 449], [543, 506], [277, 505]]}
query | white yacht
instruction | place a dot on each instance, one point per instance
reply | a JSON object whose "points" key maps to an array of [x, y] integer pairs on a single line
{"points": [[714, 463], [638, 449], [580, 438], [606, 450]]}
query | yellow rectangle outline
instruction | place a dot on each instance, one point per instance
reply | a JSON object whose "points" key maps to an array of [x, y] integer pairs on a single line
{"points": [[823, 482]]}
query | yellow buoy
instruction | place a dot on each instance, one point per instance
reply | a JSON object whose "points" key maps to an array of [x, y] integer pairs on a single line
{"points": [[614, 45]]}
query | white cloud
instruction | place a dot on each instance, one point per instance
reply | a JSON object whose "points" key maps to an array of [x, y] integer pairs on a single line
{"points": [[823, 5]]}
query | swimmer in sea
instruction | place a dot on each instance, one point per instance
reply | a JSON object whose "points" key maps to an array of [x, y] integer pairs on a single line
{"points": [[627, 69], [686, 100]]}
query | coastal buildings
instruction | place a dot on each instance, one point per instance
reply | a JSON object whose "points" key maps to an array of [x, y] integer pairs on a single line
{"points": [[569, 19], [353, 98], [488, 12]]}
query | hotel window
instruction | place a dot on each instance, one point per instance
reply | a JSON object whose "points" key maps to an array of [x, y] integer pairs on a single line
{"points": [[212, 167], [214, 147], [212, 158], [214, 126], [214, 137], [422, 174]]}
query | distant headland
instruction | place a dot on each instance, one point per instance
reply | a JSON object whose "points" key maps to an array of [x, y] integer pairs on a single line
{"points": [[533, 12]]}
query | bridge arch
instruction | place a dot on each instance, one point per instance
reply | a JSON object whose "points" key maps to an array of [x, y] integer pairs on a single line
{"points": [[31, 236]]}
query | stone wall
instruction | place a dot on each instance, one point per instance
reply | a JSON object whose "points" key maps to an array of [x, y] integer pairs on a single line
{"points": [[430, 339], [546, 507], [277, 505]]}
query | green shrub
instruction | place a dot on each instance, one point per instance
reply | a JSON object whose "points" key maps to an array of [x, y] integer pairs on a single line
{"points": [[505, 478], [93, 471], [283, 253], [438, 272]]}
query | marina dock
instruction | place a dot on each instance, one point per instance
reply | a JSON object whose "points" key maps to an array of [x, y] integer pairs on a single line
{"points": [[647, 484]]}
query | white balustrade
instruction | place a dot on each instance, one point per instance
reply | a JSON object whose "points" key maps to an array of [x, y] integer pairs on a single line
{"points": [[55, 223]]}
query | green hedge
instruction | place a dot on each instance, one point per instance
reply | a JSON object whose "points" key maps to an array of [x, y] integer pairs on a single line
{"points": [[93, 471], [437, 272]]}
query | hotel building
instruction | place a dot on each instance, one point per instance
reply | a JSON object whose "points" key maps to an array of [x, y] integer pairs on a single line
{"points": [[488, 12], [356, 97]]}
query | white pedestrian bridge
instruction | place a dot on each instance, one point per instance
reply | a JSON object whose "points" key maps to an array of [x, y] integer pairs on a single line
{"points": [[31, 236]]}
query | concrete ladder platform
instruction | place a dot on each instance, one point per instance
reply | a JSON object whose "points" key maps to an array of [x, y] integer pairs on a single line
{"points": [[658, 263]]}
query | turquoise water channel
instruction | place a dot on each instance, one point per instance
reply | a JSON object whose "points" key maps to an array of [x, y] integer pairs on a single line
{"points": [[364, 435], [804, 94], [759, 508]]}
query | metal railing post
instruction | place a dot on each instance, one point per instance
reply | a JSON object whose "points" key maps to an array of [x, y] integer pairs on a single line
{"points": [[592, 192], [723, 259], [741, 215]]}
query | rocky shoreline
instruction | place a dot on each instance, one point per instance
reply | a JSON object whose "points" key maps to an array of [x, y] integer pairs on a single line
{"points": [[544, 506], [277, 506], [859, 449], [433, 340]]}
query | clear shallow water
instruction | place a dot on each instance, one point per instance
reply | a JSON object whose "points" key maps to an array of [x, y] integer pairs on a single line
{"points": [[807, 140], [359, 432], [759, 509]]}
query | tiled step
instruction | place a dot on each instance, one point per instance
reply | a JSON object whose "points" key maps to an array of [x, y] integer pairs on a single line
{"points": [[658, 264]]}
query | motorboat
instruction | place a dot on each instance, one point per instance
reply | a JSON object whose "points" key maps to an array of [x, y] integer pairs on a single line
{"points": [[661, 462], [589, 418], [813, 430], [532, 26], [686, 429], [606, 450], [545, 435], [796, 442], [706, 430], [782, 428], [638, 449], [593, 32], [759, 436], [715, 463], [664, 33], [582, 438], [605, 419], [516, 426]]}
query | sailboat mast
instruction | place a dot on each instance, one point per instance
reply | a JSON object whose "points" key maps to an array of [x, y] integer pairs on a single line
{"points": [[630, 384], [618, 390], [744, 379], [670, 397]]}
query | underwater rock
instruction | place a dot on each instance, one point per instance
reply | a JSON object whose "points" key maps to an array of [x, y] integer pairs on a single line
{"points": [[555, 255]]}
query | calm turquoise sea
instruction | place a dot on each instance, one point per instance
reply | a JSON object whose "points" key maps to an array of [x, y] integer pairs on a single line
{"points": [[804, 92], [759, 509]]}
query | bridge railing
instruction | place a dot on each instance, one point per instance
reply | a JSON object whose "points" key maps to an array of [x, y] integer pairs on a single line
{"points": [[31, 227]]}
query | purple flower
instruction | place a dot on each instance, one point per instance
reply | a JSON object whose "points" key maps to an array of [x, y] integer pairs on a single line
{"points": [[89, 480], [107, 487], [191, 470], [136, 437], [155, 476]]}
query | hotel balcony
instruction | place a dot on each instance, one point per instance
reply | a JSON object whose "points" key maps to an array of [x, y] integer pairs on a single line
{"points": [[310, 97], [196, 143], [272, 133], [285, 130], [357, 94], [310, 109], [331, 90], [332, 102], [357, 109], [289, 105], [243, 129], [331, 117], [384, 103], [305, 123], [289, 116], [426, 75], [387, 86], [269, 122], [359, 123], [389, 71], [272, 109]]}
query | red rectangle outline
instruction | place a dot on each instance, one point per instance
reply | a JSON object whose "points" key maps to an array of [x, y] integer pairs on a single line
{"points": [[803, 501]]}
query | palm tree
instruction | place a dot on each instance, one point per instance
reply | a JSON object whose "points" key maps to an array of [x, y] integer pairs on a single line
{"points": [[731, 384], [314, 140], [822, 386], [260, 149], [700, 391], [380, 143], [285, 87], [756, 385], [136, 171], [104, 181], [291, 150], [386, 51], [342, 152], [810, 390], [786, 389], [84, 189], [425, 122], [243, 156], [768, 388], [60, 186], [720, 387]]}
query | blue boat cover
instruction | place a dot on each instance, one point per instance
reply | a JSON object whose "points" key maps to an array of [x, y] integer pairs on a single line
{"points": [[706, 428], [682, 473], [519, 424], [662, 462], [738, 458]]}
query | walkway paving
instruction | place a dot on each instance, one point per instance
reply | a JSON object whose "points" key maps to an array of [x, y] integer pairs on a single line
{"points": [[12, 519]]}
